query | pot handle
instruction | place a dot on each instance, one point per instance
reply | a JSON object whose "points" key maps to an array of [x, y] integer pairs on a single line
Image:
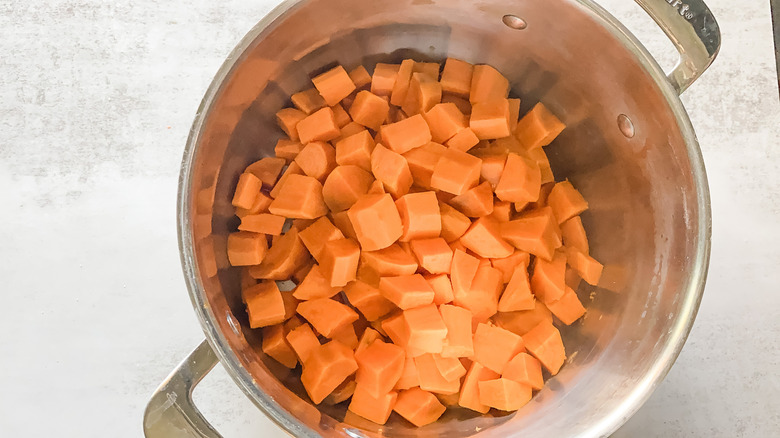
{"points": [[171, 412], [693, 30]]}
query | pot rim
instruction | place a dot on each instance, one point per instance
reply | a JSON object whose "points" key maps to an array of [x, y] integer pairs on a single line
{"points": [[679, 331]]}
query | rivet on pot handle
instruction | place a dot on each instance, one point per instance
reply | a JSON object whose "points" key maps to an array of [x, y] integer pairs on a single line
{"points": [[171, 412], [693, 30]]}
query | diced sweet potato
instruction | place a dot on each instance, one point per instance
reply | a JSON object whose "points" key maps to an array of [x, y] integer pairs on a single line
{"points": [[490, 119], [419, 407], [406, 135], [375, 409], [315, 285], [389, 262], [317, 160], [544, 343], [568, 308], [494, 347], [525, 369], [406, 291], [425, 327], [360, 76], [369, 110], [355, 150], [383, 80], [533, 232], [459, 341], [453, 223], [475, 202], [267, 170], [275, 345], [517, 295], [247, 189], [391, 169], [409, 377], [246, 249], [334, 85], [422, 161], [481, 298], [445, 120], [288, 119], [430, 377], [487, 84], [456, 172], [464, 140], [586, 266], [340, 261], [303, 341], [368, 300], [308, 101], [344, 186], [433, 255], [380, 365], [504, 394], [287, 149], [456, 77], [263, 223], [283, 258], [520, 180], [299, 197], [539, 127], [376, 221], [566, 202], [548, 278], [326, 315], [264, 304], [327, 367], [469, 391], [574, 236], [318, 126], [420, 216]]}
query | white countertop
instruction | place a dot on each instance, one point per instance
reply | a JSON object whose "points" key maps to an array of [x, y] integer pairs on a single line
{"points": [[96, 100]]}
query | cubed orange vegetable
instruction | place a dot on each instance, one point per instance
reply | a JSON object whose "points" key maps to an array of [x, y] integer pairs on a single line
{"points": [[347, 130], [264, 304], [380, 365], [514, 114], [430, 377], [520, 181], [469, 391], [315, 285], [463, 140], [540, 157], [344, 186], [246, 249], [523, 321], [341, 116], [462, 103], [292, 169], [539, 127], [493, 168], [334, 85], [502, 211], [409, 377], [507, 265], [299, 197], [327, 367], [317, 160], [568, 308], [287, 149], [368, 300], [391, 169], [419, 407], [459, 341], [342, 222], [360, 76], [326, 315], [456, 77], [586, 266], [262, 223], [340, 261], [303, 341], [355, 150], [342, 392], [424, 93], [276, 346], [433, 255], [259, 206], [389, 262], [377, 188], [425, 327], [407, 134], [283, 258], [422, 161], [525, 369], [533, 232], [288, 119], [449, 367], [267, 170], [395, 328], [464, 269], [445, 120], [383, 80], [369, 110], [420, 216], [544, 343], [517, 294], [494, 346], [308, 101], [504, 394], [247, 189], [476, 201], [376, 221], [431, 69], [574, 236], [442, 288], [484, 238], [487, 84], [318, 126], [406, 291], [401, 86], [453, 223], [375, 409], [548, 278], [481, 298], [367, 338], [566, 202], [317, 234], [456, 172], [490, 119]]}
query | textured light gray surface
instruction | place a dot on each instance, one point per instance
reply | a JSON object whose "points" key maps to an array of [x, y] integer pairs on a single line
{"points": [[96, 100]]}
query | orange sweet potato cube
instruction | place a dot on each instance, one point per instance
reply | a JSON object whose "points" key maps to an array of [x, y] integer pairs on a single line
{"points": [[275, 345], [548, 281], [380, 365], [456, 172], [520, 180], [453, 223], [504, 394], [376, 221], [262, 223], [534, 232], [247, 189], [319, 126], [441, 285], [586, 266], [494, 347], [327, 316], [308, 101], [340, 261], [355, 150], [406, 291], [445, 120], [368, 300], [525, 369], [568, 308], [539, 127], [389, 262], [430, 377], [507, 265], [288, 119], [374, 409], [481, 298], [287, 149], [544, 343], [463, 140], [565, 201], [334, 85], [264, 304], [406, 135], [326, 368], [392, 170], [422, 161], [317, 234], [456, 77], [490, 119], [360, 76], [246, 249], [426, 328], [573, 234], [344, 186], [459, 341], [303, 341], [433, 255], [315, 285], [487, 84], [420, 216], [383, 79], [369, 110], [469, 392], [419, 407], [476, 201], [424, 93], [267, 169], [484, 238], [299, 197], [401, 86]]}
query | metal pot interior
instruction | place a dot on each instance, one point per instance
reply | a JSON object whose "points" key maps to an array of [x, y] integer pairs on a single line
{"points": [[648, 201]]}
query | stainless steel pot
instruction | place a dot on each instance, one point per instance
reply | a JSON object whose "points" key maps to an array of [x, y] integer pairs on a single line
{"points": [[629, 147]]}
